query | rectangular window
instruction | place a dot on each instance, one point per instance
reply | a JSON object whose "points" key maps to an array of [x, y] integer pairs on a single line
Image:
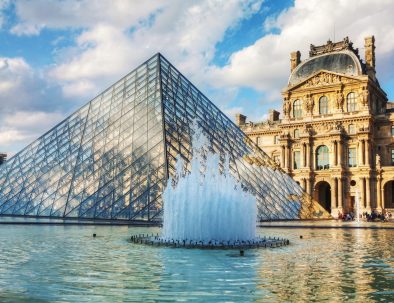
{"points": [[352, 157], [392, 157], [297, 160], [392, 130]]}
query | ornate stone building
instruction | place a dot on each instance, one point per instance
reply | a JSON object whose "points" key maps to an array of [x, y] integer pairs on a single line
{"points": [[336, 137]]}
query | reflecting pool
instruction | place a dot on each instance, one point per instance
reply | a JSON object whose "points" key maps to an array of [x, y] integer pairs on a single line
{"points": [[40, 263]]}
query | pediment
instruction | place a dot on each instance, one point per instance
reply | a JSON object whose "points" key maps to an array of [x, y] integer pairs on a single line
{"points": [[323, 78]]}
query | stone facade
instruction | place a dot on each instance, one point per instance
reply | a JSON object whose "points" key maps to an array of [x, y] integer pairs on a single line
{"points": [[336, 136]]}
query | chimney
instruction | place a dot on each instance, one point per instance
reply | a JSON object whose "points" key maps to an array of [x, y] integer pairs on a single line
{"points": [[295, 59], [370, 52], [273, 115], [240, 119]]}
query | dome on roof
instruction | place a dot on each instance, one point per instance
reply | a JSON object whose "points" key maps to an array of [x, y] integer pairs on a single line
{"points": [[344, 62]]}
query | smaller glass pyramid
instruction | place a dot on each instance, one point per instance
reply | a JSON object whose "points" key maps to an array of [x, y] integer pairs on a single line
{"points": [[111, 159]]}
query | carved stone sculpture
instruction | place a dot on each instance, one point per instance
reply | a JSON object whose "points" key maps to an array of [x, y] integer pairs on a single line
{"points": [[378, 161], [340, 100], [365, 97], [286, 107], [309, 104]]}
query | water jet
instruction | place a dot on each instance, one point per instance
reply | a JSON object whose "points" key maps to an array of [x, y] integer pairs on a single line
{"points": [[205, 206]]}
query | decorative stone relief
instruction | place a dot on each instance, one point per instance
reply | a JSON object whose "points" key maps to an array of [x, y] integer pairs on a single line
{"points": [[324, 79]]}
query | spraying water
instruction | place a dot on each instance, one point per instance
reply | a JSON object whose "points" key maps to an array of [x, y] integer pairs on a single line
{"points": [[207, 203]]}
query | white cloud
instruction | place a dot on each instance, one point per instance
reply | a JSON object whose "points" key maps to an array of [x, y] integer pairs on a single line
{"points": [[265, 64], [26, 106], [22, 127], [77, 89], [114, 36], [38, 14], [24, 88], [185, 32], [16, 82]]}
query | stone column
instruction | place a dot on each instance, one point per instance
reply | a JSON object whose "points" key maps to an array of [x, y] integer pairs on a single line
{"points": [[283, 156], [360, 152], [335, 153], [340, 194], [313, 159], [303, 155], [340, 153], [368, 193], [331, 157], [308, 155], [288, 156], [333, 195], [308, 186], [379, 194], [382, 197], [361, 188], [367, 151]]}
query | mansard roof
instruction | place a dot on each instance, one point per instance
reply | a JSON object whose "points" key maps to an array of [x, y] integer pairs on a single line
{"points": [[339, 57]]}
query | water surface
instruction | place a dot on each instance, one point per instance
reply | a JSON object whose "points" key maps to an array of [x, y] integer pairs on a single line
{"points": [[40, 263]]}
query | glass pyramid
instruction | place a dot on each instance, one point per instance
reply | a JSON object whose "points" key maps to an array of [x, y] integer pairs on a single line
{"points": [[111, 159]]}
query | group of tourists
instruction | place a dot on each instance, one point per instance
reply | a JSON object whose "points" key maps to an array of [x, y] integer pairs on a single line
{"points": [[365, 216]]}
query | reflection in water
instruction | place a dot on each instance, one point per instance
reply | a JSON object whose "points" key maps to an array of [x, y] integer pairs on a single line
{"points": [[209, 275], [330, 265], [66, 264]]}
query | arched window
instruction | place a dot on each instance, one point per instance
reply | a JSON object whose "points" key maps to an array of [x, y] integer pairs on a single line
{"points": [[352, 129], [297, 109], [296, 133], [351, 102], [323, 105], [322, 158]]}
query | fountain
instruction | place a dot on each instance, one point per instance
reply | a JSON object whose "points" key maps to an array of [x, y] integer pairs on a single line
{"points": [[206, 207]]}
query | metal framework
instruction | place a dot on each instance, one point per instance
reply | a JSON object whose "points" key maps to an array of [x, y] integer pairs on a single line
{"points": [[111, 159]]}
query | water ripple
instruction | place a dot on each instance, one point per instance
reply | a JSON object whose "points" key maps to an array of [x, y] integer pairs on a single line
{"points": [[66, 264]]}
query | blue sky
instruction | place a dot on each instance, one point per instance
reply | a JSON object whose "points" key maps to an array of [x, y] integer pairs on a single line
{"points": [[57, 55]]}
